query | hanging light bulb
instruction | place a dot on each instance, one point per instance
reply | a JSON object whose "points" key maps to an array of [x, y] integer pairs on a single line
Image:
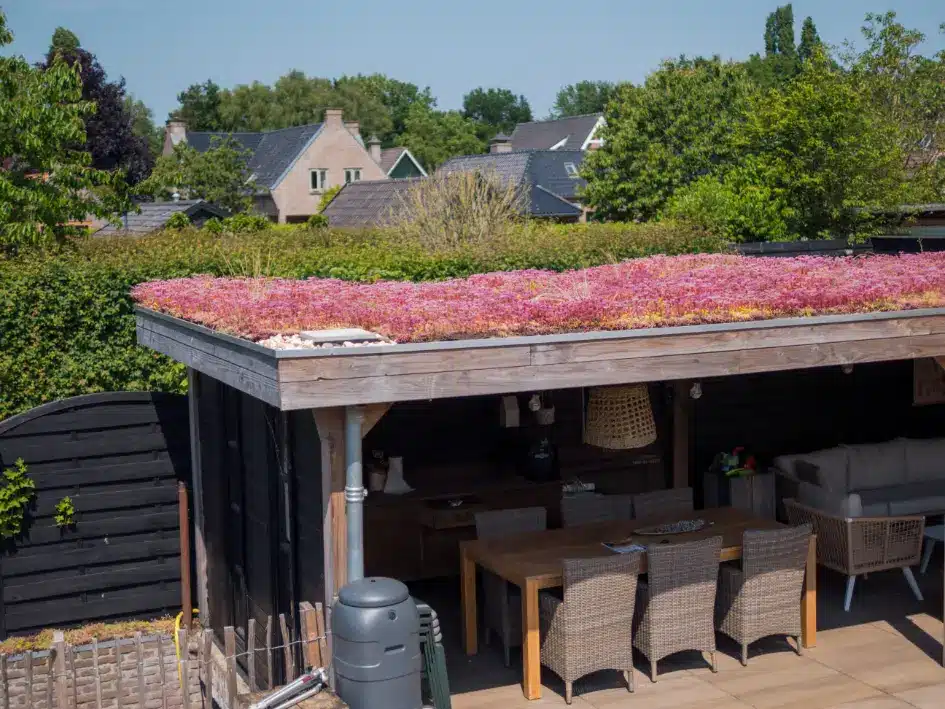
{"points": [[695, 391]]}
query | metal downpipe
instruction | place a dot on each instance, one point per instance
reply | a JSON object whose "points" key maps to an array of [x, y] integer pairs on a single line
{"points": [[354, 492]]}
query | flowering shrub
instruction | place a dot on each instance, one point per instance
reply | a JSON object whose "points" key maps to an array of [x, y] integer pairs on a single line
{"points": [[648, 292]]}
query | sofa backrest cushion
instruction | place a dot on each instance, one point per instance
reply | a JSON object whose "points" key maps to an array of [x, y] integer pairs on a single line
{"points": [[833, 464], [874, 465], [925, 459], [839, 504]]}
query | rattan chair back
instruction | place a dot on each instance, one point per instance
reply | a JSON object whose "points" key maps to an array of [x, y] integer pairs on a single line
{"points": [[503, 523], [663, 503]]}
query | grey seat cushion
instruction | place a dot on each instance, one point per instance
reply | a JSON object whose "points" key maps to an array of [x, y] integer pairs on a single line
{"points": [[905, 499]]}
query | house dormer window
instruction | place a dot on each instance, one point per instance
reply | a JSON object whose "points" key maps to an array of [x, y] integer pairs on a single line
{"points": [[571, 169], [318, 179], [352, 174]]}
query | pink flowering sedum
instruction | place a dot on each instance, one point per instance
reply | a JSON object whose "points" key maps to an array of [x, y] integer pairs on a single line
{"points": [[649, 292]]}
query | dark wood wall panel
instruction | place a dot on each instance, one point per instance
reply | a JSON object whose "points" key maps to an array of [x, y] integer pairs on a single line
{"points": [[118, 456]]}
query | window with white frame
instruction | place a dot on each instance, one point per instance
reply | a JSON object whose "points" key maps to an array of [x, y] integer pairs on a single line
{"points": [[318, 179], [352, 174], [571, 169]]}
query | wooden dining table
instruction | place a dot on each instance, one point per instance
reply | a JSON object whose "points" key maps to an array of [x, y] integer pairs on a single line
{"points": [[532, 561]]}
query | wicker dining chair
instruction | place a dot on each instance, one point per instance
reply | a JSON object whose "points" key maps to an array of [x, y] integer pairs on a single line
{"points": [[663, 503], [589, 630], [586, 509], [502, 600], [675, 605], [763, 597]]}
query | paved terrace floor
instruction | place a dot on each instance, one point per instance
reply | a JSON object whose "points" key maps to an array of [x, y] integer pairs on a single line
{"points": [[884, 654]]}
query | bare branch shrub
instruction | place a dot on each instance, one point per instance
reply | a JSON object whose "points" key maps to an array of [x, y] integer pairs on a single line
{"points": [[460, 209]]}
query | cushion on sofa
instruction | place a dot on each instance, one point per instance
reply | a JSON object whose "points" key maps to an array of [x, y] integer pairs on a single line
{"points": [[904, 499], [833, 464], [874, 465], [807, 472], [786, 463], [925, 459], [834, 503]]}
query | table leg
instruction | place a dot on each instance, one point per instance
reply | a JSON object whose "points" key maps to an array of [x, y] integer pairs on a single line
{"points": [[468, 592], [531, 642], [809, 601]]}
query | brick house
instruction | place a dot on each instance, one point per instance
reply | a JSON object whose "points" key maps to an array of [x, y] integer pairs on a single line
{"points": [[293, 167]]}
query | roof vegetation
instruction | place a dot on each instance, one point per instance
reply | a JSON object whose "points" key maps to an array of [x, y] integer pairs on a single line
{"points": [[656, 291]]}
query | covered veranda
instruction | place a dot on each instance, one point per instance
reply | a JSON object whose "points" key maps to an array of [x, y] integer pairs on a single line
{"points": [[349, 391]]}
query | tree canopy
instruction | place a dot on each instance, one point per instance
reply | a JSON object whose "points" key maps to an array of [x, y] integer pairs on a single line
{"points": [[110, 137], [663, 135], [495, 110], [435, 136], [218, 175], [583, 97], [812, 160], [783, 57], [47, 178]]}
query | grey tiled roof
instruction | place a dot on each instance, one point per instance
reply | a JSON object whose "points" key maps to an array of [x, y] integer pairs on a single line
{"points": [[368, 202], [273, 151], [508, 166], [389, 158], [542, 135], [545, 168], [154, 216]]}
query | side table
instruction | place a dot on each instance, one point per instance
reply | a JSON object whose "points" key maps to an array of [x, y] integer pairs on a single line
{"points": [[935, 533]]}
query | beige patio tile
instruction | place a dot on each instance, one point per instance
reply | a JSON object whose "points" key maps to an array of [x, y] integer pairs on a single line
{"points": [[894, 665], [883, 702], [817, 693], [511, 697], [670, 693], [768, 672], [928, 697]]}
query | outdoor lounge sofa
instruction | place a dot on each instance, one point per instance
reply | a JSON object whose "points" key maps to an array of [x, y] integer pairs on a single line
{"points": [[900, 477]]}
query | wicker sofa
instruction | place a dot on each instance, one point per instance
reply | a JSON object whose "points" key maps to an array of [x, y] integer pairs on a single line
{"points": [[899, 477]]}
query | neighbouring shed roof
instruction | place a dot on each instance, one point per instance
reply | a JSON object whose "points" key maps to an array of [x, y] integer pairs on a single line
{"points": [[550, 188], [154, 215], [547, 169], [367, 203], [544, 135], [273, 152]]}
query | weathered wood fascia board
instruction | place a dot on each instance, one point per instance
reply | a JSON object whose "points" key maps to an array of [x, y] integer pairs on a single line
{"points": [[294, 379], [244, 365], [502, 380], [607, 346]]}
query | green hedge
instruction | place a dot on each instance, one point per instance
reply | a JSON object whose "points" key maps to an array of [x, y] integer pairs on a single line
{"points": [[67, 322]]}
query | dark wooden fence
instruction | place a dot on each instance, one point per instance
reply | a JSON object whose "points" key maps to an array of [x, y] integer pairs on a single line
{"points": [[118, 456]]}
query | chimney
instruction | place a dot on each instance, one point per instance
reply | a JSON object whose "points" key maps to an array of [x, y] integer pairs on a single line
{"points": [[334, 118], [500, 144], [174, 133], [374, 148], [354, 128]]}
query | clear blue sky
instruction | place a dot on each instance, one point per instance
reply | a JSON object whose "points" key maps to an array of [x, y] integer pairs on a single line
{"points": [[532, 47]]}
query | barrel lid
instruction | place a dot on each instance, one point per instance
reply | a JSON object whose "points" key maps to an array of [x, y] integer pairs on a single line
{"points": [[373, 593]]}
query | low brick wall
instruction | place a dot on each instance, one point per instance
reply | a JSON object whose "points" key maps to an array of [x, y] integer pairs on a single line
{"points": [[142, 672]]}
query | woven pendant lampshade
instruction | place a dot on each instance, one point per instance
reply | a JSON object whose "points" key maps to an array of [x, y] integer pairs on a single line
{"points": [[619, 417]]}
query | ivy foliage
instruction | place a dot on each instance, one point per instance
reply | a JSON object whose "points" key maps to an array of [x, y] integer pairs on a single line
{"points": [[67, 323], [17, 493], [65, 513]]}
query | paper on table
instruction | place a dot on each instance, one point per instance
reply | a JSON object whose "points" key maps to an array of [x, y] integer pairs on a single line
{"points": [[623, 548]]}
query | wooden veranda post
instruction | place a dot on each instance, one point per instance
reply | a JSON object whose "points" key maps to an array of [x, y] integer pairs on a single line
{"points": [[331, 431]]}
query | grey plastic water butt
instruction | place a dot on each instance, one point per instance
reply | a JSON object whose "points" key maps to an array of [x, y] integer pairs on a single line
{"points": [[376, 645]]}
